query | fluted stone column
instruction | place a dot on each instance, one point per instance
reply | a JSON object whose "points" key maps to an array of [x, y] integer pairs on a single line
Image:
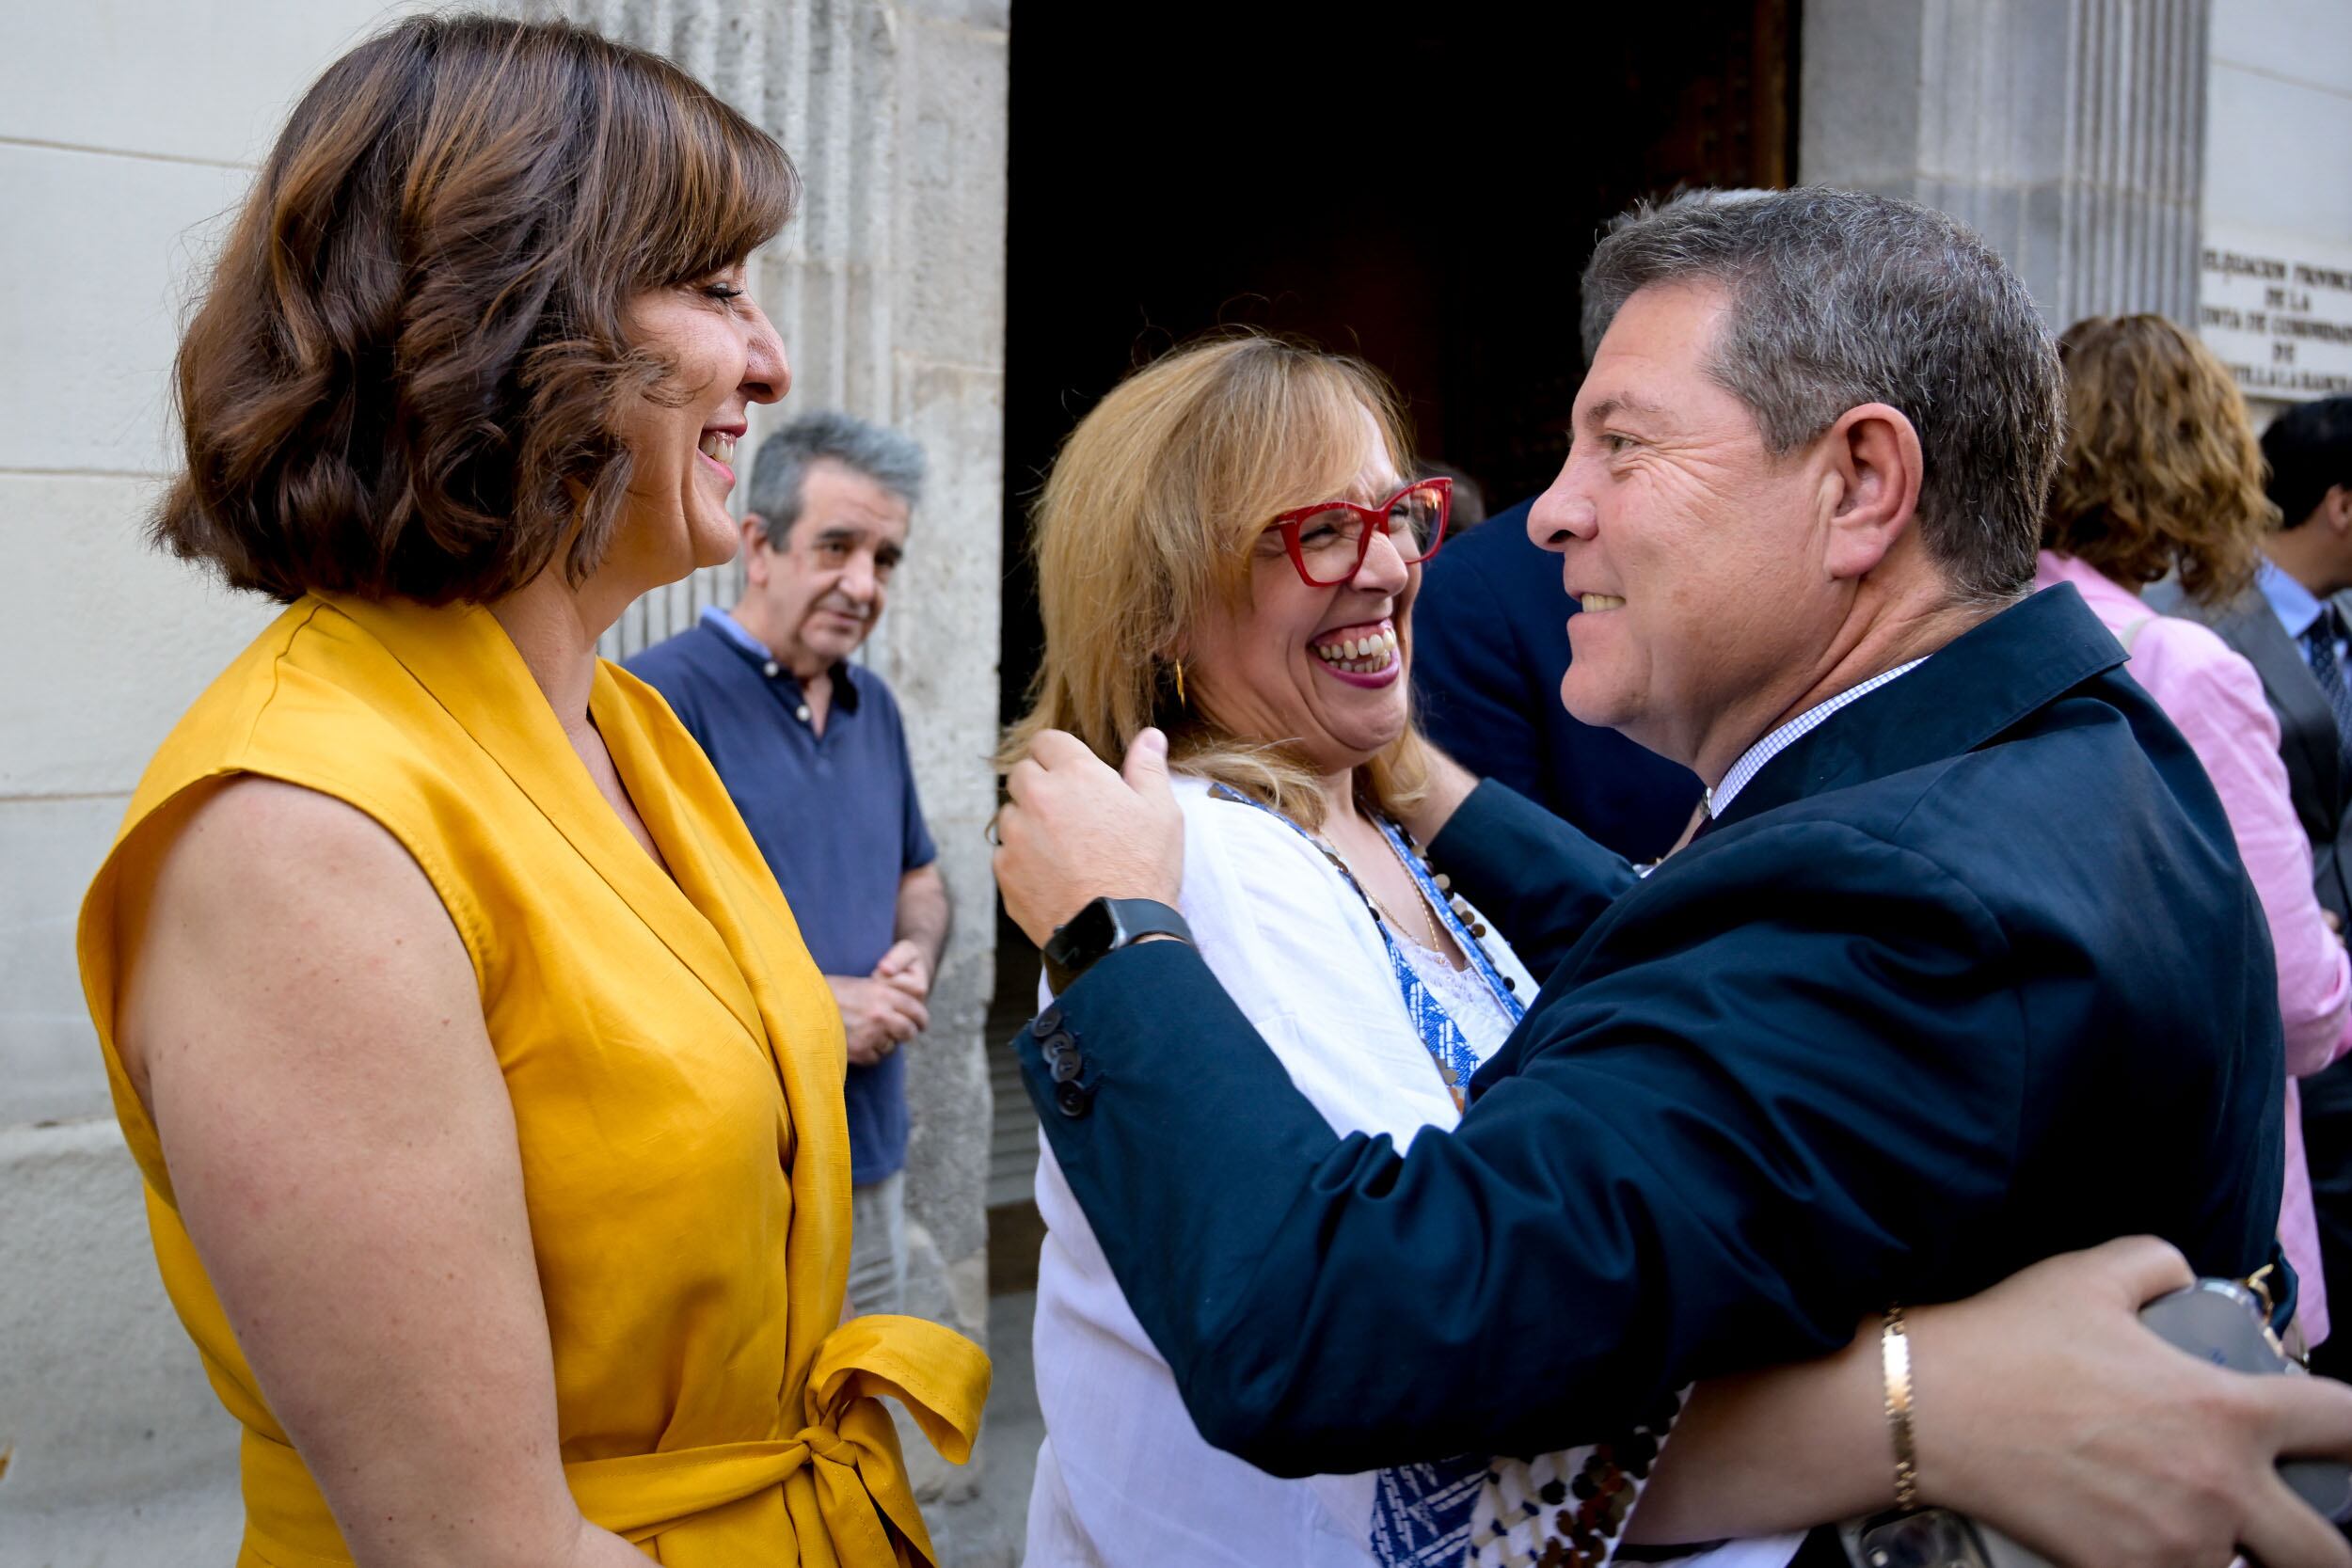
{"points": [[2070, 133], [888, 289]]}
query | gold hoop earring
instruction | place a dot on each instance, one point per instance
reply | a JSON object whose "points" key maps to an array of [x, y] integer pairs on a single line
{"points": [[1180, 683]]}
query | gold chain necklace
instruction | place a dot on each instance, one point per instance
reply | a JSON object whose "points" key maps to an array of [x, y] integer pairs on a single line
{"points": [[1428, 918]]}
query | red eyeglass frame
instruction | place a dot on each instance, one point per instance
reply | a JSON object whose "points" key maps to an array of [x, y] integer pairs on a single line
{"points": [[1375, 518]]}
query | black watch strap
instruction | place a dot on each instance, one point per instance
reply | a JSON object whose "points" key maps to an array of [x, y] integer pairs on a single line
{"points": [[1103, 927]]}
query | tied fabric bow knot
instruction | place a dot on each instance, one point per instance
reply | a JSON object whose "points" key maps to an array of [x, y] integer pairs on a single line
{"points": [[853, 1445], [845, 1456]]}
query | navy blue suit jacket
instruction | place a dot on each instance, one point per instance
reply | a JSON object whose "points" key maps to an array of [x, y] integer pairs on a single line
{"points": [[1490, 642], [1968, 975]]}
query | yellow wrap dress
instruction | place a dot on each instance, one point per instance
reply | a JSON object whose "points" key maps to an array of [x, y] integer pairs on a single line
{"points": [[675, 1065]]}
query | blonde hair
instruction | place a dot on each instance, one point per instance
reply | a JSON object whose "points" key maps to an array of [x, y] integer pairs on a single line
{"points": [[2161, 470], [1151, 518]]}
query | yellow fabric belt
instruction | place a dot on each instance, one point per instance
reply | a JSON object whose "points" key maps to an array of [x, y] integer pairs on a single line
{"points": [[827, 1491]]}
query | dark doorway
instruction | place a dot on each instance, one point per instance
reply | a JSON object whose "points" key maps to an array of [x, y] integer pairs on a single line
{"points": [[1419, 186], [1422, 190]]}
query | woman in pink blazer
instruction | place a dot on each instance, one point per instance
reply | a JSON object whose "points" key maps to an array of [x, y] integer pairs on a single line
{"points": [[2162, 475]]}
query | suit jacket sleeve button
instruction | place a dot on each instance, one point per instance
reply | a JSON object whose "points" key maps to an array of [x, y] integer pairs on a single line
{"points": [[1070, 1099], [1066, 1066], [1047, 1021]]}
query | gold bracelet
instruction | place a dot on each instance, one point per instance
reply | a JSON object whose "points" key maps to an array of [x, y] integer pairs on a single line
{"points": [[1894, 1362]]}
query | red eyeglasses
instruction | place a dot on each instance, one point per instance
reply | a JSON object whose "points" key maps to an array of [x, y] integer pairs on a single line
{"points": [[1326, 542]]}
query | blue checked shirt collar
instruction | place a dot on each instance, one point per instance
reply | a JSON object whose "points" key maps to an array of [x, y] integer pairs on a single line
{"points": [[1752, 760]]}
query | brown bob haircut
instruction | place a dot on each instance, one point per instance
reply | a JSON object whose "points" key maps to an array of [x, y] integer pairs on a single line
{"points": [[2161, 471], [407, 374]]}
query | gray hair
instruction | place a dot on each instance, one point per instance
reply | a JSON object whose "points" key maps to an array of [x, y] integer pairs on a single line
{"points": [[890, 459], [1839, 299]]}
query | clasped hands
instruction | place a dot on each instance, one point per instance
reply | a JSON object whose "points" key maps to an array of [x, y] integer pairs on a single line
{"points": [[883, 1010]]}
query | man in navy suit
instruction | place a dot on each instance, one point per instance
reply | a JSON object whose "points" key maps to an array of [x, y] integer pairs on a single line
{"points": [[1962, 971], [1491, 647]]}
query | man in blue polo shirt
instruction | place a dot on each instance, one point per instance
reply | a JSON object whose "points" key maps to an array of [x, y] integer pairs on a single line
{"points": [[813, 751]]}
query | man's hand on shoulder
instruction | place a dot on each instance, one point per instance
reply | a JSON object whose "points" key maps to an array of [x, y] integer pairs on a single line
{"points": [[877, 1016], [1072, 831]]}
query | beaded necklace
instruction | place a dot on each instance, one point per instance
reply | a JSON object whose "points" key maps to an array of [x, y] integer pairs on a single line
{"points": [[1444, 1039], [1380, 908]]}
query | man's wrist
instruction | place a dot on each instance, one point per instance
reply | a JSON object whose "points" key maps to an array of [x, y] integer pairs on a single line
{"points": [[1101, 927], [1895, 1365]]}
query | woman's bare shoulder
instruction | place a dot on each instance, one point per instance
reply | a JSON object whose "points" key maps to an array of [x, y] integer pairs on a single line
{"points": [[264, 902], [252, 851]]}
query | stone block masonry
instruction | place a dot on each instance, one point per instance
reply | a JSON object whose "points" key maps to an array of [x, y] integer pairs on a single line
{"points": [[128, 129]]}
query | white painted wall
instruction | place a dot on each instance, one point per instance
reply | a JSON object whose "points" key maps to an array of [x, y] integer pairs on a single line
{"points": [[2278, 136], [128, 129]]}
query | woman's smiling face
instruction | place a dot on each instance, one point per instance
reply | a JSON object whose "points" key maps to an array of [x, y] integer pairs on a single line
{"points": [[1321, 669], [727, 356]]}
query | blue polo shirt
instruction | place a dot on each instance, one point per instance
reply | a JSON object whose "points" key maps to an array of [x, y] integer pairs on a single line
{"points": [[835, 816]]}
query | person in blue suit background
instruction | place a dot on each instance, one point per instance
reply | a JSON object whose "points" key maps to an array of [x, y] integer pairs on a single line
{"points": [[1490, 649], [1960, 970]]}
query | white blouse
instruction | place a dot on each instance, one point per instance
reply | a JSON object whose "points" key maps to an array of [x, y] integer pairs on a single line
{"points": [[1123, 1478], [1465, 995]]}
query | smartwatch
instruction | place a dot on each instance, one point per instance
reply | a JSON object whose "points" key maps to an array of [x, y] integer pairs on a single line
{"points": [[1104, 927]]}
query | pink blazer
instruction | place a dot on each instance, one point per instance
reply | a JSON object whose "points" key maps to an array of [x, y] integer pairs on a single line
{"points": [[2215, 699]]}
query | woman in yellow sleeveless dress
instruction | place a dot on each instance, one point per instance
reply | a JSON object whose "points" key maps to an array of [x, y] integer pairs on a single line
{"points": [[488, 1104]]}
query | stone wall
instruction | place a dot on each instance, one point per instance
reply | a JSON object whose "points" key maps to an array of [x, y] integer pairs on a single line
{"points": [[2068, 132], [128, 129], [2279, 184], [2110, 147], [2279, 140]]}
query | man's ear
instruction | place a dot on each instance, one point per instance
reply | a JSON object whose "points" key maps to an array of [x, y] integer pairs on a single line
{"points": [[1872, 486], [755, 547], [2335, 509]]}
